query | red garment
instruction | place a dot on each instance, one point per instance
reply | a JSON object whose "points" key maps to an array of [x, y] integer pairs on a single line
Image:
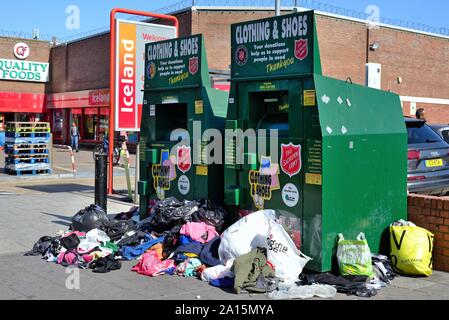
{"points": [[199, 231], [150, 265]]}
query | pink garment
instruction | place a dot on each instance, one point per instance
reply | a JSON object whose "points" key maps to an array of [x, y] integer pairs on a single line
{"points": [[150, 265], [199, 231], [69, 257], [88, 258], [78, 233]]}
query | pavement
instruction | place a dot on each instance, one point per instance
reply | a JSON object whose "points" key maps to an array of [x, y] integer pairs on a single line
{"points": [[32, 207], [61, 162]]}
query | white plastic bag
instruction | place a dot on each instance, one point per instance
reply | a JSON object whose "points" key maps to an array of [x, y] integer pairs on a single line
{"points": [[288, 261], [260, 229], [286, 292], [245, 235], [93, 239], [218, 272]]}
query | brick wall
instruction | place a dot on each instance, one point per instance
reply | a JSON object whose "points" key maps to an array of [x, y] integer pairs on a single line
{"points": [[420, 60], [435, 113], [216, 29], [39, 52], [432, 213], [82, 65]]}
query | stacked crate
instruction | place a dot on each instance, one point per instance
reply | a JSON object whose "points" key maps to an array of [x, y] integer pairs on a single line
{"points": [[27, 148]]}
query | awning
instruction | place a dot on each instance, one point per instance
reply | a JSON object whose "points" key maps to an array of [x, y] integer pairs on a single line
{"points": [[22, 102]]}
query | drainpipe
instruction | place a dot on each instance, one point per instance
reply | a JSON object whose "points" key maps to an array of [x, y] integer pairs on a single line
{"points": [[278, 7]]}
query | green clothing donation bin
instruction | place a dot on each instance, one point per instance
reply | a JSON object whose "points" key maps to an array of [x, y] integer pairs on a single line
{"points": [[179, 106], [338, 160]]}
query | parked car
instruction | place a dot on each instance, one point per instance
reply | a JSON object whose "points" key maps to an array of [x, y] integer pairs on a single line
{"points": [[442, 130], [428, 159]]}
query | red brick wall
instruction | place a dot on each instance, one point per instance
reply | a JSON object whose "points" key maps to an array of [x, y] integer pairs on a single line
{"points": [[342, 48], [185, 23], [432, 213], [82, 65], [216, 28], [435, 113], [39, 52], [420, 60]]}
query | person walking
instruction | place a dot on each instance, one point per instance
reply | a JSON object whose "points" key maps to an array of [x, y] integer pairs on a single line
{"points": [[75, 135]]}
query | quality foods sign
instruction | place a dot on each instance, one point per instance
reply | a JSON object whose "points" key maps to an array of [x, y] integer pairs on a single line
{"points": [[21, 51], [130, 69], [23, 70], [274, 46]]}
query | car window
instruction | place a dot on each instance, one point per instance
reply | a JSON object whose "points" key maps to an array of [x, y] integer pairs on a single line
{"points": [[445, 134], [419, 132]]}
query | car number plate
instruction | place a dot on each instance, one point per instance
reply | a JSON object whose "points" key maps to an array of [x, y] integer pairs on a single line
{"points": [[434, 163]]}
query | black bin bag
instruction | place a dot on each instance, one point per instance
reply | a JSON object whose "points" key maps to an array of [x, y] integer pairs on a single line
{"points": [[91, 217]]}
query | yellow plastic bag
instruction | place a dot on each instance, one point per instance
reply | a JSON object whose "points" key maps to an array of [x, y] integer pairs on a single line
{"points": [[411, 250]]}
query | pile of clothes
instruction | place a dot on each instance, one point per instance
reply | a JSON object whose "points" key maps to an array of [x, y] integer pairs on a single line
{"points": [[254, 255], [177, 238]]}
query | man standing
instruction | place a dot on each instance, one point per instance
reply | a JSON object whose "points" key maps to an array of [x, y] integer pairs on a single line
{"points": [[420, 114], [74, 133]]}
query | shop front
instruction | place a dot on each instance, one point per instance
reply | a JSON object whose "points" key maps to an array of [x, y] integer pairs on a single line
{"points": [[24, 72], [88, 109]]}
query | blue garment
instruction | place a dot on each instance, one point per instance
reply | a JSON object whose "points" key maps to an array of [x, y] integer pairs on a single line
{"points": [[193, 247], [75, 143], [180, 257], [223, 282], [170, 271], [131, 253], [183, 239], [209, 255], [2, 138]]}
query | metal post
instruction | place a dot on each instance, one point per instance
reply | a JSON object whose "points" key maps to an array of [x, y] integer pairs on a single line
{"points": [[278, 7], [137, 175], [101, 180], [128, 177], [50, 150], [72, 158]]}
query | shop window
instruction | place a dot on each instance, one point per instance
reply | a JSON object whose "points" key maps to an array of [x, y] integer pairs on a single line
{"points": [[104, 121], [58, 124], [76, 115], [90, 124], [2, 122]]}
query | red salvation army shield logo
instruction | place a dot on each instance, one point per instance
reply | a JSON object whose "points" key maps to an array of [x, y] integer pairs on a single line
{"points": [[241, 55], [291, 159], [184, 159], [193, 65], [301, 49]]}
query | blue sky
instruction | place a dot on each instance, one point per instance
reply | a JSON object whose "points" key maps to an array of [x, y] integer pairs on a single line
{"points": [[49, 16]]}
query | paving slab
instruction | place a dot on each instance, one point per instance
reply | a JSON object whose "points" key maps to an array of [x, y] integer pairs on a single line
{"points": [[31, 209]]}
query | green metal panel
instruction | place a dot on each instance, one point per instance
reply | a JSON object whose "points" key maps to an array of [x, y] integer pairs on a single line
{"points": [[142, 188], [178, 94], [364, 162], [353, 143], [275, 46], [176, 63]]}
